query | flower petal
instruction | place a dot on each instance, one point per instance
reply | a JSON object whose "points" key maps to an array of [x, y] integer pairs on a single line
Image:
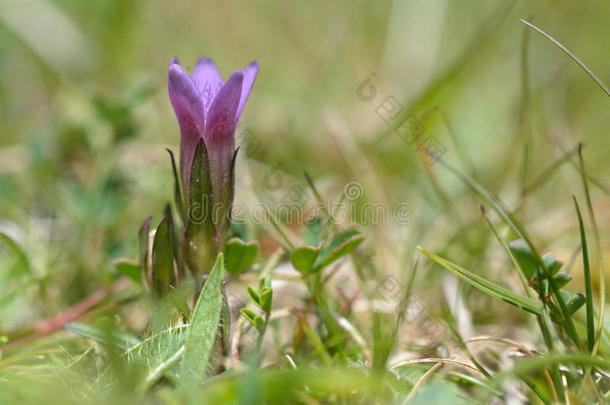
{"points": [[208, 80], [219, 133], [221, 117], [250, 73], [188, 107]]}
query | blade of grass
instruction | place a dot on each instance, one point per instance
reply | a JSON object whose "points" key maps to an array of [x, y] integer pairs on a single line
{"points": [[450, 320], [590, 178], [513, 225], [461, 377], [486, 286], [19, 250], [318, 197], [520, 232], [525, 350], [420, 382], [278, 229], [155, 374], [598, 249], [508, 252], [532, 363], [571, 55], [588, 287], [546, 173], [317, 343]]}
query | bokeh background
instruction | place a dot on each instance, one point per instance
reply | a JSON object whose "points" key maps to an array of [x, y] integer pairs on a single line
{"points": [[85, 120]]}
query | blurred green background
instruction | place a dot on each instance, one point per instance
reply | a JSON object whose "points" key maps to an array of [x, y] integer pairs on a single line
{"points": [[85, 118]]}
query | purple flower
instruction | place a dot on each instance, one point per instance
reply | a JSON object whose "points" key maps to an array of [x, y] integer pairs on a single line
{"points": [[208, 109]]}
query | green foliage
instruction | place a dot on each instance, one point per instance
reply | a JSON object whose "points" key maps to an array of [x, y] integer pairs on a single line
{"points": [[200, 230], [128, 268], [342, 245], [240, 255], [93, 312], [106, 334], [163, 275], [304, 257], [201, 332], [486, 286]]}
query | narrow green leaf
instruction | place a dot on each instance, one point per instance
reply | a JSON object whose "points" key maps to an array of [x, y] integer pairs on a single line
{"points": [[266, 298], [596, 238], [128, 268], [200, 232], [342, 245], [144, 249], [17, 249], [180, 206], [588, 285], [106, 334], [248, 314], [486, 286], [162, 264], [155, 374], [383, 338], [264, 282], [571, 55], [259, 323], [227, 204], [254, 319], [253, 294], [180, 303], [176, 243], [518, 229], [201, 332]]}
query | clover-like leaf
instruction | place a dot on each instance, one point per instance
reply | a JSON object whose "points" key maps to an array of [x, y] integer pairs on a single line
{"points": [[303, 258], [239, 255], [575, 302], [551, 263], [562, 278], [525, 257]]}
